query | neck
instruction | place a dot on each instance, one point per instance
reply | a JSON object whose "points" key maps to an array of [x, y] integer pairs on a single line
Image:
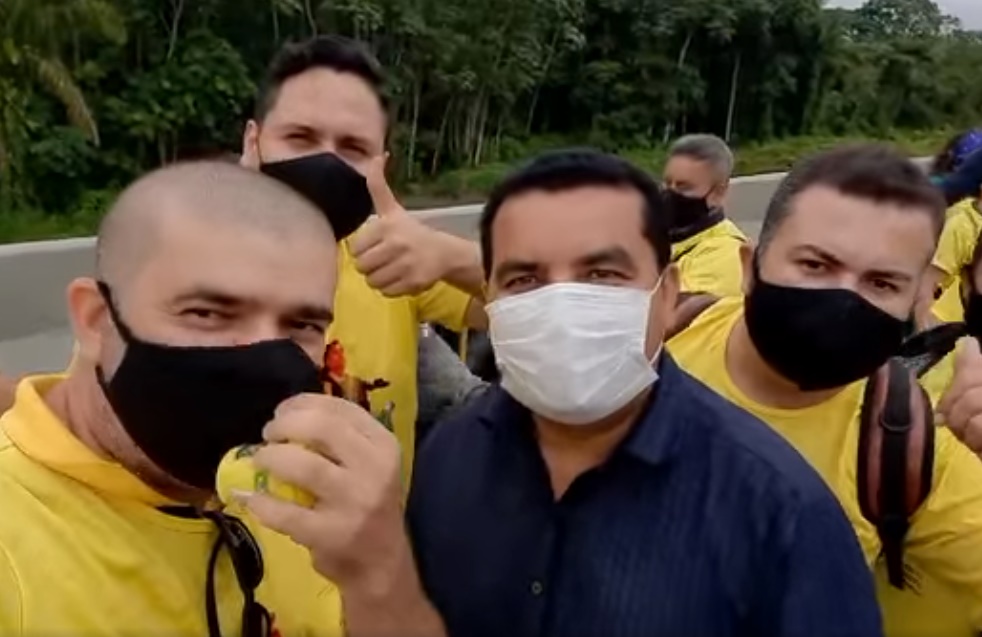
{"points": [[570, 451], [759, 381], [80, 404]]}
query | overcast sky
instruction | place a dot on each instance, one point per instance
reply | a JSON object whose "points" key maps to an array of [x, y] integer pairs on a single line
{"points": [[970, 11]]}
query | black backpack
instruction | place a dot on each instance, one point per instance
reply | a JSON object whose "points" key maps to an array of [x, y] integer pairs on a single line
{"points": [[895, 463]]}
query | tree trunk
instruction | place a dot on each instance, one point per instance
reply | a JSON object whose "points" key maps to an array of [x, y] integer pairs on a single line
{"points": [[276, 23], [497, 135], [542, 80], [734, 83], [440, 136], [481, 126], [175, 26], [413, 131], [679, 63], [308, 11]]}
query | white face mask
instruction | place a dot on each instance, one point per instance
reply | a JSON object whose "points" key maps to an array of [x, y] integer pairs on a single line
{"points": [[573, 352]]}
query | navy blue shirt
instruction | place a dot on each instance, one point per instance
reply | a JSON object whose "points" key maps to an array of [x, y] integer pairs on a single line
{"points": [[704, 523]]}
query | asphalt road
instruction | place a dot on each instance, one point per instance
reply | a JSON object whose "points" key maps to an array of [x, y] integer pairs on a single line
{"points": [[48, 350], [33, 331]]}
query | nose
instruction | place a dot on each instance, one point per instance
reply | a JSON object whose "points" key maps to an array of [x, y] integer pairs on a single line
{"points": [[847, 280], [260, 328], [328, 145]]}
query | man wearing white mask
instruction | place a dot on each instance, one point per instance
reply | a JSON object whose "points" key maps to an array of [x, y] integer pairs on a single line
{"points": [[601, 490]]}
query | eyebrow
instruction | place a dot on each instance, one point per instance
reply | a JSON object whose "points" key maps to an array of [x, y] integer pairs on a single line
{"points": [[614, 255], [895, 275], [608, 256], [512, 267], [313, 131], [293, 127], [306, 311]]}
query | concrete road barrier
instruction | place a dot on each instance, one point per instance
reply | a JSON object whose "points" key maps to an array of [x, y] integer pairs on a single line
{"points": [[34, 333]]}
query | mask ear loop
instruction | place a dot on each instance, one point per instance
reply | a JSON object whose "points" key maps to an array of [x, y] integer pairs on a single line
{"points": [[661, 346], [124, 331], [121, 326]]}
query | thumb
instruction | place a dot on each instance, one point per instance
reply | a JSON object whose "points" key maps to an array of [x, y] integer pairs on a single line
{"points": [[969, 354], [383, 199]]}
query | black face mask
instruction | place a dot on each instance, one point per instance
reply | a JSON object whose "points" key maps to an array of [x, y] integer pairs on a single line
{"points": [[185, 407], [819, 338], [688, 216], [336, 188]]}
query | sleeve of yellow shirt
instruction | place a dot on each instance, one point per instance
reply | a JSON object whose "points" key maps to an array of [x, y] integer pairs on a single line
{"points": [[445, 305], [945, 538], [713, 266], [956, 245]]}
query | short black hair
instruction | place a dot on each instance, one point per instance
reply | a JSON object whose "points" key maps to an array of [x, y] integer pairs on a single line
{"points": [[874, 172], [563, 170], [323, 52]]}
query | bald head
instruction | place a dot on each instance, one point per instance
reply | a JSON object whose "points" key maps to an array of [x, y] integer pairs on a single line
{"points": [[212, 196]]}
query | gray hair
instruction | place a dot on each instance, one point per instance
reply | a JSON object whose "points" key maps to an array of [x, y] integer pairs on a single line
{"points": [[706, 148]]}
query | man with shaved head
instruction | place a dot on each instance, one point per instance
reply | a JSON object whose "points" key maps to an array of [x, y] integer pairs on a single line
{"points": [[197, 330]]}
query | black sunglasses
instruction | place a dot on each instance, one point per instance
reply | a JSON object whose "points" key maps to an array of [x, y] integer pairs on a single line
{"points": [[247, 562]]}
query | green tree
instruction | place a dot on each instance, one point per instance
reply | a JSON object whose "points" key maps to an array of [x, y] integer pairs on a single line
{"points": [[34, 37]]}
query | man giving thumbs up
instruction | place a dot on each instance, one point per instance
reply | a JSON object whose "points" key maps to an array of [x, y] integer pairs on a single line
{"points": [[320, 126]]}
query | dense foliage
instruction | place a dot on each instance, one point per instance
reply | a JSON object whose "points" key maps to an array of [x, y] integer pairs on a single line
{"points": [[94, 91]]}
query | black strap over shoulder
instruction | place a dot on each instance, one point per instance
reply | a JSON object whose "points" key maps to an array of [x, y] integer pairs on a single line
{"points": [[924, 350], [896, 458], [247, 563]]}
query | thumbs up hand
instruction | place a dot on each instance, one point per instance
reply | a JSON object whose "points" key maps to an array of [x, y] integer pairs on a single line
{"points": [[397, 253], [961, 405]]}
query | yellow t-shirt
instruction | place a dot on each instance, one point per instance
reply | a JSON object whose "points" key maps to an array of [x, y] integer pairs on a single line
{"points": [[957, 242], [84, 549], [944, 545], [373, 346], [710, 261], [949, 308]]}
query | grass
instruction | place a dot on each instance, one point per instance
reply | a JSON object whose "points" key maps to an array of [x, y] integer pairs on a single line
{"points": [[470, 185]]}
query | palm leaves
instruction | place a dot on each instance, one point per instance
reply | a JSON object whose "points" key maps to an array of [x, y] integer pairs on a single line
{"points": [[33, 35]]}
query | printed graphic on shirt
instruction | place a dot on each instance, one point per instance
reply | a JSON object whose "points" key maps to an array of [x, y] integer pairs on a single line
{"points": [[338, 382]]}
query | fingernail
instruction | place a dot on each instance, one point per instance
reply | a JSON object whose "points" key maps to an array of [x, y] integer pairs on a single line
{"points": [[241, 497]]}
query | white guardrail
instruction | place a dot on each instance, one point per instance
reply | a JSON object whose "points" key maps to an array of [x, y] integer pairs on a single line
{"points": [[34, 333]]}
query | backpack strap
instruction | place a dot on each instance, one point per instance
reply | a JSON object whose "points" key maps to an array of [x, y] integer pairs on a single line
{"points": [[687, 309], [896, 458]]}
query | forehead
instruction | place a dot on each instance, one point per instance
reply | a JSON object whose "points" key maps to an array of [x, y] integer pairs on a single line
{"points": [[239, 260], [328, 101], [563, 226], [685, 166], [858, 231]]}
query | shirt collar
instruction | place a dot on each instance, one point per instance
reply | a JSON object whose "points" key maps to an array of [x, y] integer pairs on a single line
{"points": [[41, 436], [654, 438]]}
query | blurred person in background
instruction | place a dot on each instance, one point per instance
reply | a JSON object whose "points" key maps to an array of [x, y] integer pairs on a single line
{"points": [[705, 244]]}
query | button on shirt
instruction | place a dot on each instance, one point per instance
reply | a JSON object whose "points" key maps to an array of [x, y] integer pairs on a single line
{"points": [[702, 523]]}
